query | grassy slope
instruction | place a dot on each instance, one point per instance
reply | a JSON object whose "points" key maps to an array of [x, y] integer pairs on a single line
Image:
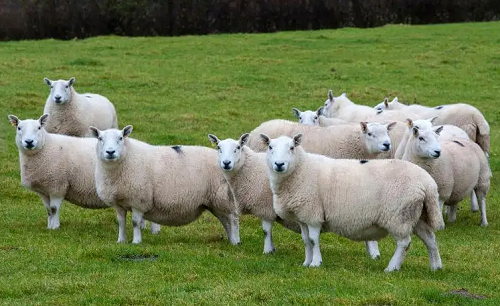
{"points": [[175, 91]]}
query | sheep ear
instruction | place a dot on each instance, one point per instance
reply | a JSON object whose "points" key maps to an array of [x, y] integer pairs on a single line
{"points": [[244, 139], [213, 139], [320, 110], [72, 81], [391, 125], [386, 102], [330, 95], [415, 131], [409, 122], [394, 100], [14, 120], [297, 139], [265, 139], [296, 112], [431, 120], [93, 132], [439, 130], [127, 130], [43, 119], [344, 95], [47, 81], [364, 126]]}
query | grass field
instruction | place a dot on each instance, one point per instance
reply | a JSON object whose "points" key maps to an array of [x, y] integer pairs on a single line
{"points": [[175, 91]]}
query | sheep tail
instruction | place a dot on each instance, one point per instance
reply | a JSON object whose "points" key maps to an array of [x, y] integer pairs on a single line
{"points": [[434, 216]]}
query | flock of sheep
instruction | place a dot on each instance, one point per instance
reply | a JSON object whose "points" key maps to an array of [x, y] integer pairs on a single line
{"points": [[361, 172]]}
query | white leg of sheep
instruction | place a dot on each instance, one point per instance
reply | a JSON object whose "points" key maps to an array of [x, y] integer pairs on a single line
{"points": [[267, 227], [55, 207], [452, 213], [154, 227], [473, 201], [121, 216], [304, 231], [137, 217], [314, 232], [482, 207], [46, 203], [423, 232], [372, 249], [231, 225], [399, 255], [143, 224]]}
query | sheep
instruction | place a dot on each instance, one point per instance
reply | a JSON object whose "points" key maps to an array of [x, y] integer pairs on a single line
{"points": [[342, 108], [321, 193], [308, 117], [170, 185], [448, 132], [72, 113], [465, 116], [337, 141], [457, 166], [410, 110], [57, 167], [246, 173]]}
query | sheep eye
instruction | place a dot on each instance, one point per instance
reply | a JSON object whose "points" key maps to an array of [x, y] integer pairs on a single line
{"points": [[369, 134], [421, 138], [18, 128], [291, 148], [39, 127], [99, 138], [67, 86], [121, 138], [270, 148], [238, 147], [316, 118]]}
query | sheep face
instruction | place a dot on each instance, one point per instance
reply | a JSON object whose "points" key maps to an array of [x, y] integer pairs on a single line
{"points": [[308, 117], [281, 155], [332, 104], [30, 134], [425, 143], [230, 157], [60, 90], [111, 143], [376, 136]]}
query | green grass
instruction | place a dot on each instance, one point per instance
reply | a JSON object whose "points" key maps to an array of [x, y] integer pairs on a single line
{"points": [[175, 91]]}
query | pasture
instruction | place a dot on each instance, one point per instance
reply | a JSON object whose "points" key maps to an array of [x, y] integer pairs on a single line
{"points": [[176, 90]]}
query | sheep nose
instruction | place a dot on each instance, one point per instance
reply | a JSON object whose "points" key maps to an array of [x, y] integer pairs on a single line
{"points": [[279, 165], [29, 141], [226, 162], [111, 152], [58, 97], [387, 145], [438, 153]]}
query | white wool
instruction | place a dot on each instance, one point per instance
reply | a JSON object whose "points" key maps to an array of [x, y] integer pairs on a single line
{"points": [[322, 194], [72, 113]]}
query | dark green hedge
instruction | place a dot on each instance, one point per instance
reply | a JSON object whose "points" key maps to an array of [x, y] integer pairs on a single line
{"points": [[66, 19]]}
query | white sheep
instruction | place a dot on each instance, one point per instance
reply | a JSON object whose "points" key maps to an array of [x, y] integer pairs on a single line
{"points": [[448, 133], [170, 185], [72, 113], [411, 110], [325, 121], [308, 117], [246, 173], [57, 167], [359, 201], [365, 141], [465, 116], [457, 166], [342, 108]]}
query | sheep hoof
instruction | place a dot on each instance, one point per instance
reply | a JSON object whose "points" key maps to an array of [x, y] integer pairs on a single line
{"points": [[271, 251], [306, 264], [315, 264], [391, 269], [136, 241], [484, 224], [375, 256], [120, 240], [436, 268]]}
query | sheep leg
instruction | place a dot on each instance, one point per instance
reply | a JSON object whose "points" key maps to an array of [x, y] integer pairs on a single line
{"points": [[314, 232], [441, 204], [46, 203], [121, 216], [304, 231], [231, 225], [137, 217], [143, 224], [482, 207], [154, 227], [372, 249], [55, 206], [423, 231], [452, 213], [267, 227], [399, 255], [473, 201]]}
